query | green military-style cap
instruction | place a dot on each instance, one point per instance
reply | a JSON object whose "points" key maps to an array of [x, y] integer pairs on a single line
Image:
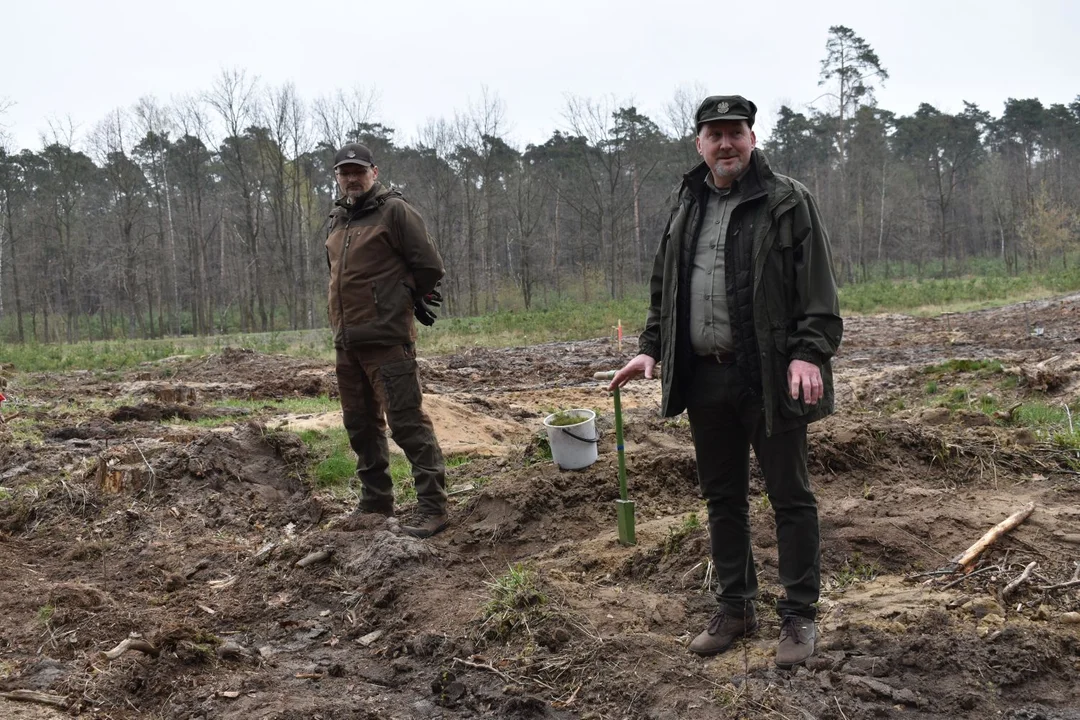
{"points": [[725, 107]]}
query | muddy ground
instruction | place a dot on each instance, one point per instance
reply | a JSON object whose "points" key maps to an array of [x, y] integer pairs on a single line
{"points": [[118, 522]]}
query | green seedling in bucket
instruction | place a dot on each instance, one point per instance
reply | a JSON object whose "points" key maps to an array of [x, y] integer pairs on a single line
{"points": [[624, 507]]}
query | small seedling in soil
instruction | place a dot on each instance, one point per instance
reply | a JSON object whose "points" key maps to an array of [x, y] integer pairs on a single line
{"points": [[678, 533], [44, 614], [853, 571]]}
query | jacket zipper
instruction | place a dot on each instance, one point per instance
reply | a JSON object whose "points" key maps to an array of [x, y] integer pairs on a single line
{"points": [[341, 273]]}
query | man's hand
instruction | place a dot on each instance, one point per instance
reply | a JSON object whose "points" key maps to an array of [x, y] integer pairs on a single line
{"points": [[640, 365], [433, 298], [423, 313], [805, 377]]}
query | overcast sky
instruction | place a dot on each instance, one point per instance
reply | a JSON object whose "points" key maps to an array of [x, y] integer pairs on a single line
{"points": [[428, 58]]}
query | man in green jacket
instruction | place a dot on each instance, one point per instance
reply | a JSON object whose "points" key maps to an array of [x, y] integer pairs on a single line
{"points": [[743, 321], [384, 269]]}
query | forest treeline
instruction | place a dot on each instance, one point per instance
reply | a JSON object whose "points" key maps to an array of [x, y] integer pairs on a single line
{"points": [[207, 215]]}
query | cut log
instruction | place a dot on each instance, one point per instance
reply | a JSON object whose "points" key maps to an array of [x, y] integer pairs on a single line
{"points": [[115, 478], [175, 394], [36, 697], [993, 535]]}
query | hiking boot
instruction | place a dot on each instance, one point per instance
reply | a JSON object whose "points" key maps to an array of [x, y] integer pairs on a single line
{"points": [[797, 636], [723, 630], [385, 509], [426, 525]]}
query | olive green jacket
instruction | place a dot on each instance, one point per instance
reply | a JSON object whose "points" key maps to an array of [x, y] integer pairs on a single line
{"points": [[780, 287], [381, 259]]}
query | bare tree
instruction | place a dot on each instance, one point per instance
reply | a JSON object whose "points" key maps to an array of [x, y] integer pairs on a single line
{"points": [[608, 197], [235, 98], [339, 116], [155, 125], [481, 152], [679, 116]]}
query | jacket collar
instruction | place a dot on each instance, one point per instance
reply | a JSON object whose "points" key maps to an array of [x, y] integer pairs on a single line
{"points": [[758, 180], [371, 199]]}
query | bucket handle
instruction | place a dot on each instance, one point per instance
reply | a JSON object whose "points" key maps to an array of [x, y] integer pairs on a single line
{"points": [[582, 439]]}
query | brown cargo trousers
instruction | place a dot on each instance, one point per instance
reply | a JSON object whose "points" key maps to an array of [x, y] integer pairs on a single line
{"points": [[383, 380]]}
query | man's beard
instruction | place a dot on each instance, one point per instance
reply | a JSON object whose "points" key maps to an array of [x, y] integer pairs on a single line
{"points": [[354, 193], [733, 171]]}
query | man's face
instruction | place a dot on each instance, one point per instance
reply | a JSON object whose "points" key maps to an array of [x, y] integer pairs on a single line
{"points": [[355, 180], [725, 146]]}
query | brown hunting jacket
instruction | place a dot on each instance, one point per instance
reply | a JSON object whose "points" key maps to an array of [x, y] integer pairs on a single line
{"points": [[381, 259]]}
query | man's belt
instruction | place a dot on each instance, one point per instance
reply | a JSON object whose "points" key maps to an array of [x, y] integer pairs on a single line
{"points": [[721, 357]]}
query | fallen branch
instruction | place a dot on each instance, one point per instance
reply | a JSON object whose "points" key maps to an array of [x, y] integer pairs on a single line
{"points": [[1011, 587], [970, 575], [131, 644], [153, 475], [568, 702], [993, 535], [36, 697], [1059, 586], [482, 666]]}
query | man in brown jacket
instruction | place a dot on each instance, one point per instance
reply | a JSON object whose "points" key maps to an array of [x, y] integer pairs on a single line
{"points": [[384, 270]]}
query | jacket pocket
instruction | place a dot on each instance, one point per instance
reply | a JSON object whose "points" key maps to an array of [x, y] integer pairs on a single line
{"points": [[361, 303], [402, 385], [790, 408]]}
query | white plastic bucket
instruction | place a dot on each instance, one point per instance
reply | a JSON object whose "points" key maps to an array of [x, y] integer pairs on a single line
{"points": [[573, 446]]}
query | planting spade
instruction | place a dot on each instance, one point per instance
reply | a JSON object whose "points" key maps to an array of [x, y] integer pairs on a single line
{"points": [[624, 507]]}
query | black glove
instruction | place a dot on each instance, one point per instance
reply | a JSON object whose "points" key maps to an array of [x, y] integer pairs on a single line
{"points": [[433, 298], [423, 313]]}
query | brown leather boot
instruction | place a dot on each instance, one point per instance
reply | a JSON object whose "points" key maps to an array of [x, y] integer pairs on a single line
{"points": [[723, 630], [426, 525], [386, 509], [797, 638]]}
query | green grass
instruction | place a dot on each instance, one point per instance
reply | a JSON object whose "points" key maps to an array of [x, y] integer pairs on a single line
{"points": [[45, 614], [334, 466], [958, 365], [959, 396], [854, 570], [1043, 416], [937, 295], [514, 601]]}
